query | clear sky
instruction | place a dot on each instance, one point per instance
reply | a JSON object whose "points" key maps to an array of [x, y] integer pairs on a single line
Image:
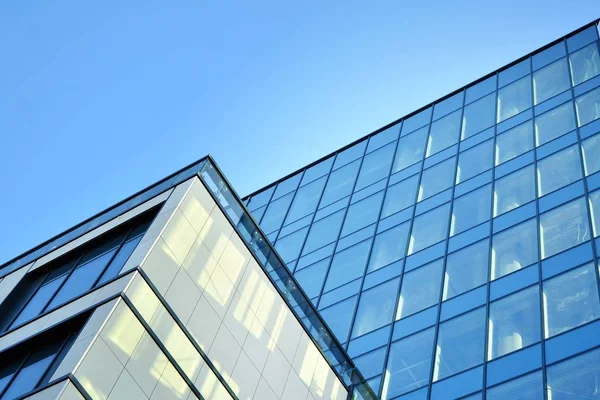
{"points": [[99, 99]]}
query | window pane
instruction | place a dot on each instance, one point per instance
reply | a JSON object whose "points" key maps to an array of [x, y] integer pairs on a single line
{"points": [[306, 200], [444, 133], [558, 170], [376, 166], [474, 161], [340, 184], [446, 106], [460, 344], [594, 199], [384, 137], [588, 107], [514, 190], [120, 259], [275, 213], [348, 265], [409, 364], [289, 247], [585, 64], [7, 370], [570, 300], [311, 278], [317, 171], [429, 229], [514, 98], [400, 196], [420, 289], [471, 209], [324, 231], [554, 123], [591, 154], [478, 116], [437, 178], [410, 149], [550, 80], [350, 154], [416, 121], [339, 318], [466, 269], [514, 322], [514, 248], [514, 142], [564, 227], [529, 387], [362, 213], [287, 186], [389, 247], [375, 308], [576, 378]]}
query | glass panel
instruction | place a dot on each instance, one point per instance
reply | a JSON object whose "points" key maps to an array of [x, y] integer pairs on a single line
{"points": [[420, 289], [317, 171], [362, 213], [416, 121], [7, 370], [429, 229], [558, 170], [437, 178], [514, 322], [576, 378], [260, 199], [444, 133], [514, 98], [460, 344], [400, 196], [474, 161], [471, 209], [480, 89], [585, 64], [514, 72], [514, 142], [289, 185], [324, 231], [306, 200], [289, 247], [339, 317], [514, 190], [446, 106], [275, 213], [348, 265], [410, 149], [478, 116], [588, 107], [389, 246], [340, 184], [311, 278], [570, 300], [350, 154], [466, 269], [564, 227], [375, 308], [120, 259], [384, 137], [408, 364], [594, 199], [591, 154], [514, 249], [376, 166], [554, 123], [529, 387], [550, 80]]}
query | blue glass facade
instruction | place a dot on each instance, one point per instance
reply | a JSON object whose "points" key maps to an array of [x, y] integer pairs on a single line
{"points": [[453, 253]]}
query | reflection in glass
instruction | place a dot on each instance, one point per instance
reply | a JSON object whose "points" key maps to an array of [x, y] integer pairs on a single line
{"points": [[594, 200], [590, 148], [528, 387], [400, 196], [339, 317], [570, 300], [466, 269], [437, 178], [564, 227], [350, 154], [554, 123], [311, 278], [514, 142], [340, 184], [514, 322], [514, 249], [375, 308], [410, 149], [585, 64], [444, 133], [306, 200], [588, 107], [408, 365], [460, 344], [471, 209], [347, 265], [514, 190], [558, 170], [275, 213], [478, 116], [575, 378], [474, 161], [375, 166], [429, 229], [389, 246], [324, 231], [416, 121], [514, 98], [550, 80], [289, 247], [362, 213], [420, 289]]}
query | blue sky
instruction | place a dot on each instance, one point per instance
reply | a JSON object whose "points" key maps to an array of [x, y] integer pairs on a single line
{"points": [[100, 99]]}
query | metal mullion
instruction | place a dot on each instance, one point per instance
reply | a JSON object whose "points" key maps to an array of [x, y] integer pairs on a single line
{"points": [[445, 259], [119, 247], [289, 208], [19, 369]]}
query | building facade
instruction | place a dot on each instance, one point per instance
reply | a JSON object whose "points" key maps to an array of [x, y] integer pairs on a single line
{"points": [[453, 253]]}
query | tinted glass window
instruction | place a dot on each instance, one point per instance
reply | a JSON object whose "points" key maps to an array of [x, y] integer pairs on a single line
{"points": [[340, 184], [444, 133], [348, 265], [389, 246], [411, 149], [474, 161], [306, 200], [514, 190], [275, 213], [478, 116], [466, 269], [529, 387], [554, 123], [591, 154], [437, 178], [471, 209], [429, 229], [514, 249], [362, 213], [375, 308], [585, 64], [400, 196], [339, 318], [420, 289], [324, 231], [514, 142], [311, 278], [514, 98], [551, 80], [564, 227], [588, 107], [558, 170], [376, 166], [576, 378]]}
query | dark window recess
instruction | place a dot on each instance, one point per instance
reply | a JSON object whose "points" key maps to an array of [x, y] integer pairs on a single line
{"points": [[32, 363], [73, 274]]}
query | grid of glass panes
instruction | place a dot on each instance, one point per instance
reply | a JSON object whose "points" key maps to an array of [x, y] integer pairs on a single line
{"points": [[453, 252]]}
